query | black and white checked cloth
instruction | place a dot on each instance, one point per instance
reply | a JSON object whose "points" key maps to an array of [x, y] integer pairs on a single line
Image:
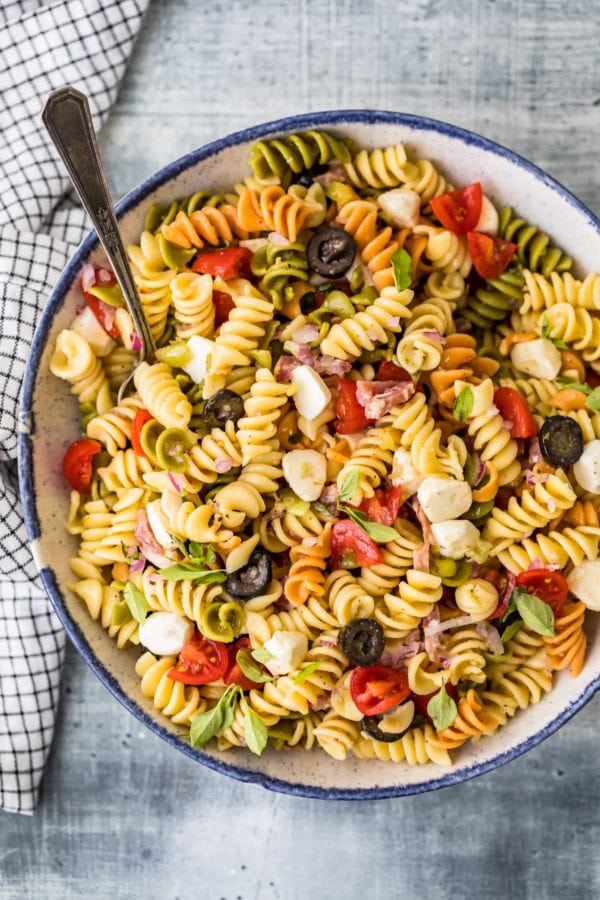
{"points": [[43, 45]]}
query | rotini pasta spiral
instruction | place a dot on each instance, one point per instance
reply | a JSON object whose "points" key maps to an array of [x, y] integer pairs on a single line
{"points": [[258, 428], [346, 598], [557, 548], [567, 647], [74, 361], [576, 326], [162, 395], [178, 701], [308, 561], [415, 747], [348, 338], [272, 209], [276, 157], [472, 720], [192, 301], [402, 612]]}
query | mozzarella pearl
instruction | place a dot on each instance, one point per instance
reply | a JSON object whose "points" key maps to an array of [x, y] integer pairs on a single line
{"points": [[200, 348], [587, 468], [165, 633], [312, 394], [444, 498], [455, 538], [289, 649], [404, 473], [402, 205], [538, 358], [306, 472], [584, 582]]}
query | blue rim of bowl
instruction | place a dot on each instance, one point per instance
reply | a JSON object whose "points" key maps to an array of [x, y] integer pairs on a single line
{"points": [[26, 476]]}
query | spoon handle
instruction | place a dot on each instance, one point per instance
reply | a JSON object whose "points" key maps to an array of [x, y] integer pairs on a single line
{"points": [[66, 115]]}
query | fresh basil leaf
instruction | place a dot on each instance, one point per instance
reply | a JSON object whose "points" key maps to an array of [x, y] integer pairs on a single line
{"points": [[179, 544], [306, 672], [182, 572], [442, 710], [250, 670], [575, 385], [208, 724], [463, 405], [593, 401], [511, 630], [137, 603], [509, 609], [546, 333], [255, 731], [262, 655], [381, 534], [536, 614], [401, 264], [349, 485]]}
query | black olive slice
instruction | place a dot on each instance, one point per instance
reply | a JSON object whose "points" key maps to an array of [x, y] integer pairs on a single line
{"points": [[331, 251], [252, 579], [370, 724], [561, 441], [224, 406], [362, 641]]}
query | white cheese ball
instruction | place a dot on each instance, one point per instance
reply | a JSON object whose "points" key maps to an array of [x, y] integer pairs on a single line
{"points": [[444, 498], [402, 205], [289, 649], [312, 394], [404, 473], [538, 358], [587, 468], [455, 538], [584, 582], [488, 219], [306, 472], [477, 597], [165, 633]]}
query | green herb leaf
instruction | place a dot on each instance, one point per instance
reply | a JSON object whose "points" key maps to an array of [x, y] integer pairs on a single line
{"points": [[137, 603], [262, 655], [567, 383], [206, 725], [463, 405], [536, 614], [509, 609], [246, 663], [255, 731], [546, 329], [306, 672], [442, 710], [381, 534], [401, 264], [511, 630], [349, 485], [181, 572], [593, 401], [179, 544]]}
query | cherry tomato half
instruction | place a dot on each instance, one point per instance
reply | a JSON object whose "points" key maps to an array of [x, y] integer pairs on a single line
{"points": [[352, 547], [377, 689], [350, 414], [234, 262], [460, 210], [201, 661], [77, 463], [549, 586], [139, 420], [383, 506], [592, 378], [234, 674], [104, 313], [389, 371], [514, 408], [223, 303], [490, 255]]}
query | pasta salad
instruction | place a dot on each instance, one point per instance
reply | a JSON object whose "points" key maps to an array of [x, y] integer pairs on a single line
{"points": [[353, 503]]}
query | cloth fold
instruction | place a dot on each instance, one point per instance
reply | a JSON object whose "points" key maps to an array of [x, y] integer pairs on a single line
{"points": [[43, 46]]}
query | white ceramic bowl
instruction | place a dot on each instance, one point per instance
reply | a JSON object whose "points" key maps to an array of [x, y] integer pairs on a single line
{"points": [[49, 423]]}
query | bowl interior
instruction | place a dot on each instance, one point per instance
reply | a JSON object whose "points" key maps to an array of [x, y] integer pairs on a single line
{"points": [[49, 417]]}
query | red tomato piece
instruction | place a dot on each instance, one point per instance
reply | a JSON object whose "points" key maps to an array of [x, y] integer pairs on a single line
{"points": [[514, 408], [377, 689], [139, 420], [77, 463], [504, 583], [383, 506], [352, 546], [592, 378], [350, 414], [201, 661], [389, 371], [490, 254], [234, 262], [421, 700], [460, 210], [234, 674], [547, 585], [104, 313], [223, 304]]}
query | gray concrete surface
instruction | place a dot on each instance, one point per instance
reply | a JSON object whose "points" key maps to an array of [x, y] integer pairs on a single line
{"points": [[121, 814]]}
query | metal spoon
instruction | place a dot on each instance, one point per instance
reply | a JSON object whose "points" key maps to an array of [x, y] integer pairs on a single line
{"points": [[66, 115]]}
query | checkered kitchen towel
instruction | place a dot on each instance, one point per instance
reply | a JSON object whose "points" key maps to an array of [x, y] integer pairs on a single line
{"points": [[43, 45]]}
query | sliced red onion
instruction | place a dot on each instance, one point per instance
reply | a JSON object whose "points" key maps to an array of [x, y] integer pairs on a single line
{"points": [[157, 559], [334, 173], [155, 578], [88, 276], [394, 322], [535, 454], [275, 513], [330, 644], [278, 239], [136, 342], [329, 494], [329, 365], [435, 336], [305, 355], [445, 661], [104, 276], [493, 410], [406, 648], [373, 336], [139, 564], [475, 570], [284, 367], [145, 536], [254, 244], [507, 423], [223, 465], [323, 701], [305, 334], [492, 637], [480, 470], [175, 482], [433, 616], [437, 627], [511, 581], [552, 504]]}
